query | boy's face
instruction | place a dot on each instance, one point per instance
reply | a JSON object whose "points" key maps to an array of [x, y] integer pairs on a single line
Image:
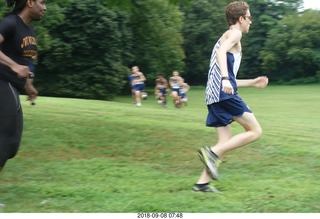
{"points": [[246, 22], [135, 69], [38, 8]]}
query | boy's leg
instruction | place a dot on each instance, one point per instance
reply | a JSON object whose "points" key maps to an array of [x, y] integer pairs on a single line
{"points": [[159, 98], [252, 133], [138, 97], [211, 157], [133, 94], [224, 134], [174, 95]]}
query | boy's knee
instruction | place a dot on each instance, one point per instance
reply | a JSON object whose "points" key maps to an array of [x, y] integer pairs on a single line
{"points": [[258, 133]]}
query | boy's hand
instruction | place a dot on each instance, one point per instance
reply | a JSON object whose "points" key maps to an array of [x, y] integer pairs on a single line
{"points": [[31, 92], [227, 87], [21, 70], [261, 82]]}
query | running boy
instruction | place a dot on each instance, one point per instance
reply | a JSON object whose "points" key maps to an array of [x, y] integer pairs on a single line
{"points": [[223, 103], [18, 45], [161, 90], [184, 88], [174, 82], [138, 84]]}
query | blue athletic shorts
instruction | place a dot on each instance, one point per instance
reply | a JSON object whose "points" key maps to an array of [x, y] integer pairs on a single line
{"points": [[138, 87], [163, 91], [183, 95], [176, 90], [222, 113]]}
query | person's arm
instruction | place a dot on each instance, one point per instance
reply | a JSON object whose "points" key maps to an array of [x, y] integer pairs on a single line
{"points": [[181, 80], [170, 81], [156, 87], [142, 77], [166, 85], [233, 38], [259, 82], [187, 87], [21, 70], [31, 90]]}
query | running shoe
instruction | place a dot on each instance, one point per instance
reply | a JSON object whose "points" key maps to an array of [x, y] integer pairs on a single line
{"points": [[206, 188], [211, 161]]}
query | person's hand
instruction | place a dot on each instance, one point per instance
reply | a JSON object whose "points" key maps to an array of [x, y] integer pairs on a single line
{"points": [[31, 91], [227, 87], [21, 70], [260, 82]]}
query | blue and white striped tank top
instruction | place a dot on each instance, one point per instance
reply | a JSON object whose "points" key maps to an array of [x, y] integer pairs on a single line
{"points": [[214, 91]]}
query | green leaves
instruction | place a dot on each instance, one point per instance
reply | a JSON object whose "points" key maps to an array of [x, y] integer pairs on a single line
{"points": [[97, 41], [86, 50], [157, 39], [292, 47], [89, 46]]}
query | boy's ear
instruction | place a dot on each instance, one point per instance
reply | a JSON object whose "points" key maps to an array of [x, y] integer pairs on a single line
{"points": [[241, 19], [30, 3]]}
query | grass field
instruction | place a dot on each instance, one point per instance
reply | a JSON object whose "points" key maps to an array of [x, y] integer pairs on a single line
{"points": [[98, 156]]}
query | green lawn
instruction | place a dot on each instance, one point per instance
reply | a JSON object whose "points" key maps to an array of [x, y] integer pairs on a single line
{"points": [[99, 156]]}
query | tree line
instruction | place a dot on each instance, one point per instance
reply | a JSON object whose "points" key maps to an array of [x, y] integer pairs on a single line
{"points": [[87, 47]]}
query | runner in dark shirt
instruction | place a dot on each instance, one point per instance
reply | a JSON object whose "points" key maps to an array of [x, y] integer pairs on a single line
{"points": [[18, 45]]}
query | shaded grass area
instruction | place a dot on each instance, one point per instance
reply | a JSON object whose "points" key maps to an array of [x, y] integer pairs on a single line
{"points": [[98, 156]]}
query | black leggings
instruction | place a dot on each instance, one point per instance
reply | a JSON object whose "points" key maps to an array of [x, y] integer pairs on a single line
{"points": [[11, 122]]}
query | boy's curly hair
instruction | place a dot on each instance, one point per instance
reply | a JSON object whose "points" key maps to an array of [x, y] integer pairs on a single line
{"points": [[235, 10]]}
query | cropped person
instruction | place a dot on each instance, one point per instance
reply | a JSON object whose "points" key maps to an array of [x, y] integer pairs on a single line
{"points": [[18, 45], [184, 88]]}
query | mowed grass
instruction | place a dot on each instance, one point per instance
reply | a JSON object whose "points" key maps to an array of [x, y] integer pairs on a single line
{"points": [[100, 156]]}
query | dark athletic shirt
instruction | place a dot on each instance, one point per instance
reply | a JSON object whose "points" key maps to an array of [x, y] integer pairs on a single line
{"points": [[19, 44]]}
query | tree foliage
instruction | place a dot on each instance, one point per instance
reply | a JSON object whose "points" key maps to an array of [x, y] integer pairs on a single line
{"points": [[86, 53], [87, 47], [204, 23], [90, 52], [293, 48], [157, 39], [266, 14]]}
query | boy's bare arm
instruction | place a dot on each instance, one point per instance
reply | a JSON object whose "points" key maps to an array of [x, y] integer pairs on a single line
{"points": [[259, 82]]}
